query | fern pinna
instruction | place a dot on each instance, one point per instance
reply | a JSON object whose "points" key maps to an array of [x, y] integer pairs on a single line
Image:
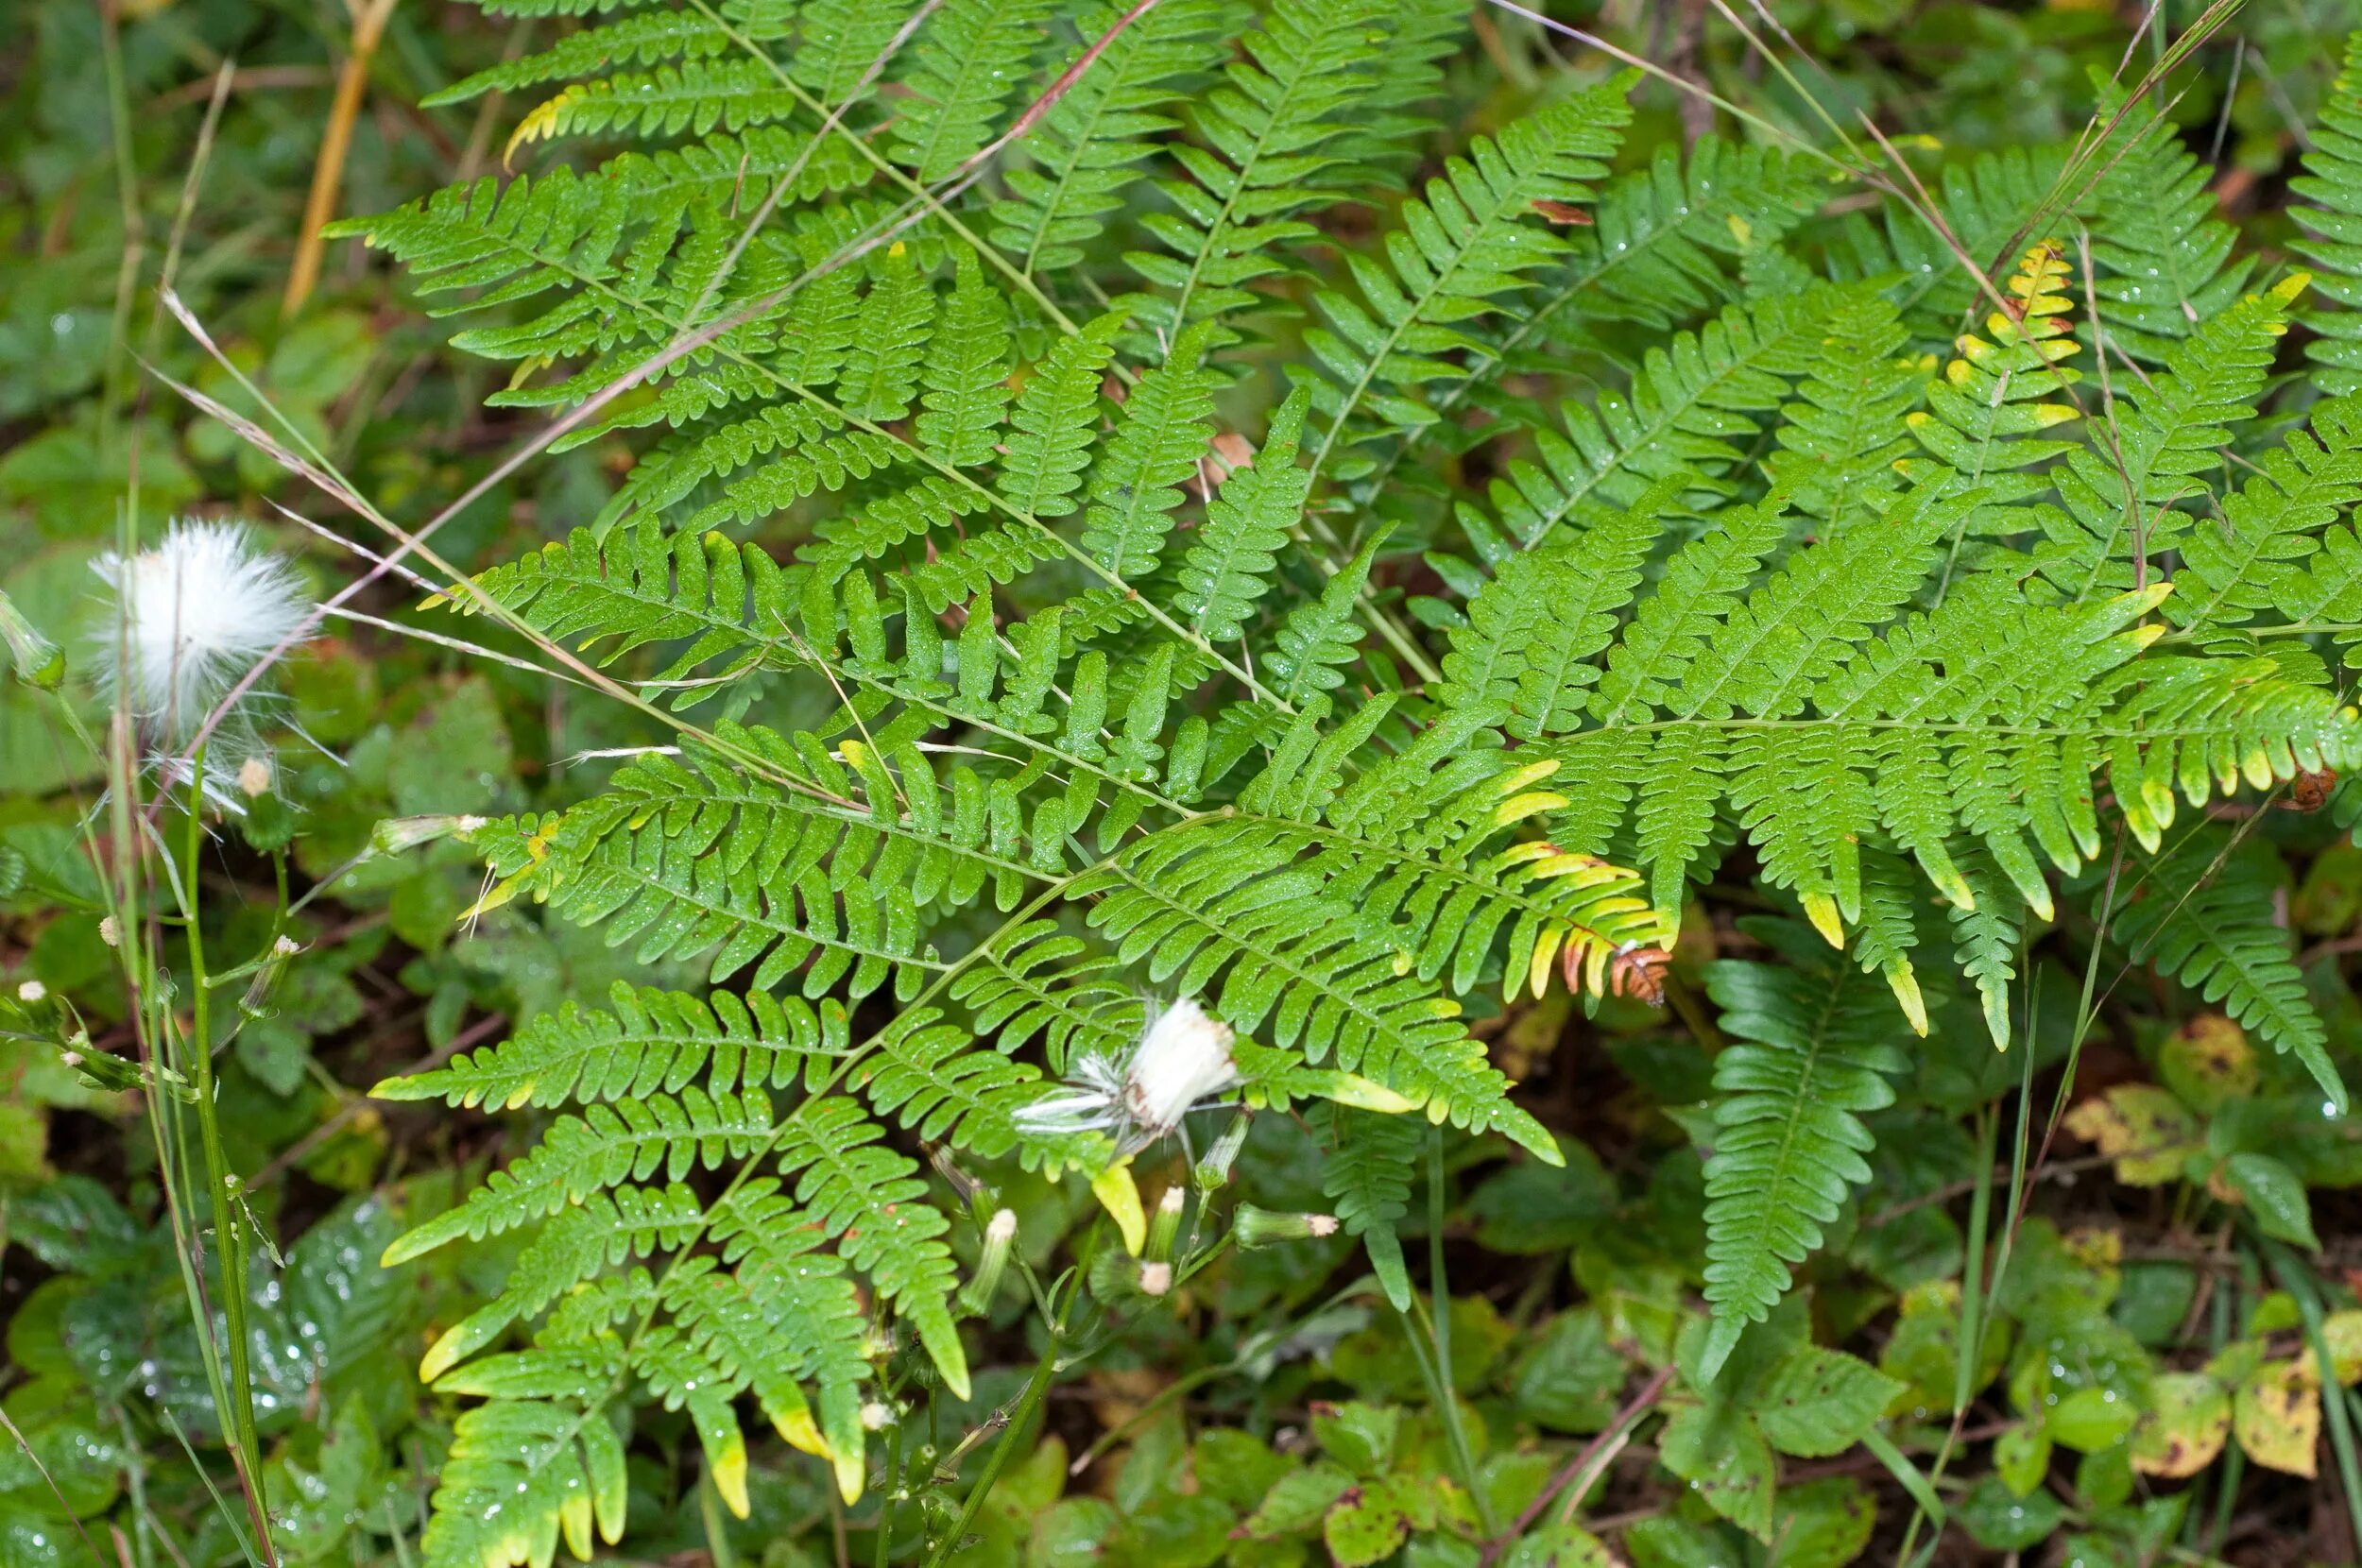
{"points": [[1032, 651]]}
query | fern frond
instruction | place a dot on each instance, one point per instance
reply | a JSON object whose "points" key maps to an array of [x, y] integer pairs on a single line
{"points": [[2332, 184], [641, 587], [882, 364], [1840, 439], [966, 372], [1988, 202], [1702, 584], [1812, 1054], [1321, 636], [1056, 415], [808, 1318], [647, 38], [1983, 417], [1533, 631], [2166, 267], [1040, 982], [839, 43], [1985, 937], [1335, 909], [696, 95], [1404, 70], [2259, 558], [654, 1041], [1270, 130], [605, 1230], [868, 1198], [1366, 1179], [1227, 571], [1475, 239], [1810, 614], [521, 1472], [967, 58], [1661, 240], [1160, 441], [2205, 915], [1088, 150], [2170, 433], [1693, 407], [603, 1146]]}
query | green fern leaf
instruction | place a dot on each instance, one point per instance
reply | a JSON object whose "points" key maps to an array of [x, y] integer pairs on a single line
{"points": [[519, 1473], [2164, 258], [2332, 183], [1088, 150], [1227, 569], [1810, 1057], [1159, 442], [1270, 130], [1534, 632], [2205, 915], [1367, 1177], [1475, 238], [1054, 420], [967, 58]]}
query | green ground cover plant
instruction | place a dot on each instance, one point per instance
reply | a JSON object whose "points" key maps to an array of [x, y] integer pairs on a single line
{"points": [[1016, 783]]}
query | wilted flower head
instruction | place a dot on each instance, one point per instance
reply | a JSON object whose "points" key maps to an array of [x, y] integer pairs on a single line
{"points": [[189, 619], [1182, 1058]]}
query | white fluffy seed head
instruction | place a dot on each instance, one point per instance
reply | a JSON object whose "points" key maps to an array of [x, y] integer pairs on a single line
{"points": [[1156, 1278], [108, 932], [1001, 1226], [1173, 1200], [191, 617], [1322, 1224], [31, 990], [1184, 1058]]}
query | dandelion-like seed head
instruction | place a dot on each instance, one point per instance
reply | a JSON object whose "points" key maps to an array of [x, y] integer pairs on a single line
{"points": [[1182, 1060], [189, 619]]}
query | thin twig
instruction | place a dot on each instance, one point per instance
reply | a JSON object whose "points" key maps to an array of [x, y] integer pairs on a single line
{"points": [[1582, 1466]]}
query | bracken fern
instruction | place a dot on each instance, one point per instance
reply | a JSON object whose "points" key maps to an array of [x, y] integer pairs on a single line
{"points": [[992, 572]]}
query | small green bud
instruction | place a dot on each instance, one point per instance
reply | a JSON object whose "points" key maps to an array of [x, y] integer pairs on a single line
{"points": [[395, 834], [1213, 1167], [256, 1002], [1164, 1226], [1251, 1227], [1000, 1232], [38, 661]]}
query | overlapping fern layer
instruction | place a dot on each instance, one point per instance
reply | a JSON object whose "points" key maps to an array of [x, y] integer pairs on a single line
{"points": [[957, 424]]}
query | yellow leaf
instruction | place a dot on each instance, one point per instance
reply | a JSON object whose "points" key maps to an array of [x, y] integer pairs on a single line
{"points": [[1120, 1198], [2277, 1415], [2342, 1331], [2189, 1418], [2208, 1060], [2141, 1127]]}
